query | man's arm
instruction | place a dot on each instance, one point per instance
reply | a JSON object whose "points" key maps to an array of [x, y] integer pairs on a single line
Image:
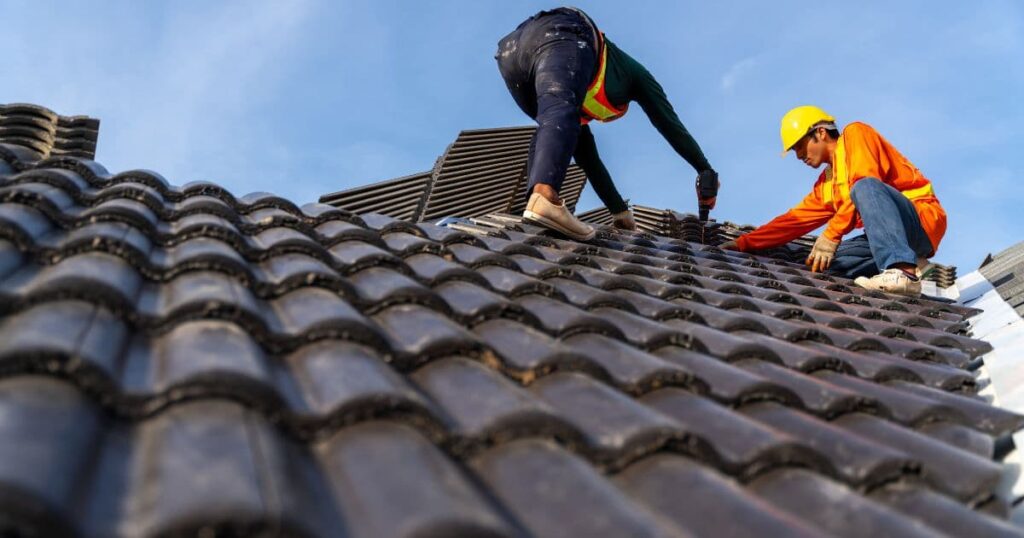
{"points": [[651, 97], [810, 213], [586, 156]]}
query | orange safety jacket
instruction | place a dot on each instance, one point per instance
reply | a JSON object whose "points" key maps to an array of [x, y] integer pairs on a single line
{"points": [[860, 152], [596, 105]]}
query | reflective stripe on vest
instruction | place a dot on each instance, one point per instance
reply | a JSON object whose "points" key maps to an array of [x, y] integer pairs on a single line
{"points": [[837, 177], [596, 105]]}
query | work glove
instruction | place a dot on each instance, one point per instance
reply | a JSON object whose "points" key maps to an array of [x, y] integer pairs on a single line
{"points": [[624, 220], [822, 254], [729, 245]]}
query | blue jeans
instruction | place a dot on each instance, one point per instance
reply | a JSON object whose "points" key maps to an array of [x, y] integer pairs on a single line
{"points": [[892, 232]]}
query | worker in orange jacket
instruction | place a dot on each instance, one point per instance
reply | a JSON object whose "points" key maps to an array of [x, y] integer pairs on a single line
{"points": [[866, 183]]}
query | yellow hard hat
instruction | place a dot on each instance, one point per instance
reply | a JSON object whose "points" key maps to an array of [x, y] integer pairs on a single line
{"points": [[798, 121]]}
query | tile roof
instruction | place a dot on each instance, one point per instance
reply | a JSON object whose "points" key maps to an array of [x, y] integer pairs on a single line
{"points": [[483, 171], [1005, 271], [181, 361]]}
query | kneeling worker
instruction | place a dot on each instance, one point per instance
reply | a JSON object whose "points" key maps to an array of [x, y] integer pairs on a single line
{"points": [[563, 73], [866, 183]]}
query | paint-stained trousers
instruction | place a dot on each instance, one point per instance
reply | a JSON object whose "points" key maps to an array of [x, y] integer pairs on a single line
{"points": [[548, 63]]}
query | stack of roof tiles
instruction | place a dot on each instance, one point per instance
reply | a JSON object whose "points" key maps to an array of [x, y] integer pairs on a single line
{"points": [[180, 361], [482, 171], [943, 275], [1005, 271], [46, 133], [687, 227], [664, 222]]}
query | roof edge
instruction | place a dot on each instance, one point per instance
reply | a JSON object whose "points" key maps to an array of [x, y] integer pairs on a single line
{"points": [[1002, 369]]}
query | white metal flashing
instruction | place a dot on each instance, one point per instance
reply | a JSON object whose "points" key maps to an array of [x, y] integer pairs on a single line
{"points": [[1003, 368]]}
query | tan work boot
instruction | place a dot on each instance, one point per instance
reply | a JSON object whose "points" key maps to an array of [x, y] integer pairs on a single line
{"points": [[624, 220], [891, 281], [557, 217]]}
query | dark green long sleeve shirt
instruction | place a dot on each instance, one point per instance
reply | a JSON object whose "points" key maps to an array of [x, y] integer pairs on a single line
{"points": [[626, 80]]}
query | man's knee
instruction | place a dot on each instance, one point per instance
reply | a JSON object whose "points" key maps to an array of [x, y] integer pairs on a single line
{"points": [[868, 184]]}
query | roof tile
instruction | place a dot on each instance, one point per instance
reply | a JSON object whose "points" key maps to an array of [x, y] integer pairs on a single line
{"points": [[739, 445], [485, 406], [615, 428], [392, 481], [835, 509], [62, 424], [723, 508], [629, 368], [727, 383], [551, 492], [941, 512], [859, 462], [818, 396], [975, 480]]}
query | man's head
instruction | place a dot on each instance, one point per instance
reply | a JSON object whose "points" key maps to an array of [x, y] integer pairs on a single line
{"points": [[817, 145], [811, 133]]}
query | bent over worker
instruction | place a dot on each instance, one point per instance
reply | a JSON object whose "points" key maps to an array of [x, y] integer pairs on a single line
{"points": [[866, 183], [563, 72]]}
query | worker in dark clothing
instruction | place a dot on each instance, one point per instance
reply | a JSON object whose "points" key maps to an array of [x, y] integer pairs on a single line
{"points": [[563, 72]]}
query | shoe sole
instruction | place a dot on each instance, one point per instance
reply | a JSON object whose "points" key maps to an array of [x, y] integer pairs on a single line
{"points": [[548, 223], [905, 293]]}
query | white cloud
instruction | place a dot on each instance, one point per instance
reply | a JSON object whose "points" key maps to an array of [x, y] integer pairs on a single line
{"points": [[737, 71]]}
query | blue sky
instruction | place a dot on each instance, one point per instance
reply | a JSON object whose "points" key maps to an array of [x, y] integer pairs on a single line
{"points": [[302, 98]]}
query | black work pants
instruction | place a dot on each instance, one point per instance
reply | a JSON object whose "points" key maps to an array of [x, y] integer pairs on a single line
{"points": [[547, 63]]}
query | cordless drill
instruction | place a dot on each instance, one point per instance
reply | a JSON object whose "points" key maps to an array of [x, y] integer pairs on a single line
{"points": [[707, 190]]}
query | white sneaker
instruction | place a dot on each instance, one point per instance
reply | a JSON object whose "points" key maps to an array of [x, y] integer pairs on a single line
{"points": [[557, 217], [624, 220], [891, 281]]}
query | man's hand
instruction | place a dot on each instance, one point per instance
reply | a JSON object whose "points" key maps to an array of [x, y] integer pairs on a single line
{"points": [[729, 245], [624, 220], [822, 254]]}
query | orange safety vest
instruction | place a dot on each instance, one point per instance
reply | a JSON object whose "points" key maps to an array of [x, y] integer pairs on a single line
{"points": [[596, 105], [837, 181]]}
